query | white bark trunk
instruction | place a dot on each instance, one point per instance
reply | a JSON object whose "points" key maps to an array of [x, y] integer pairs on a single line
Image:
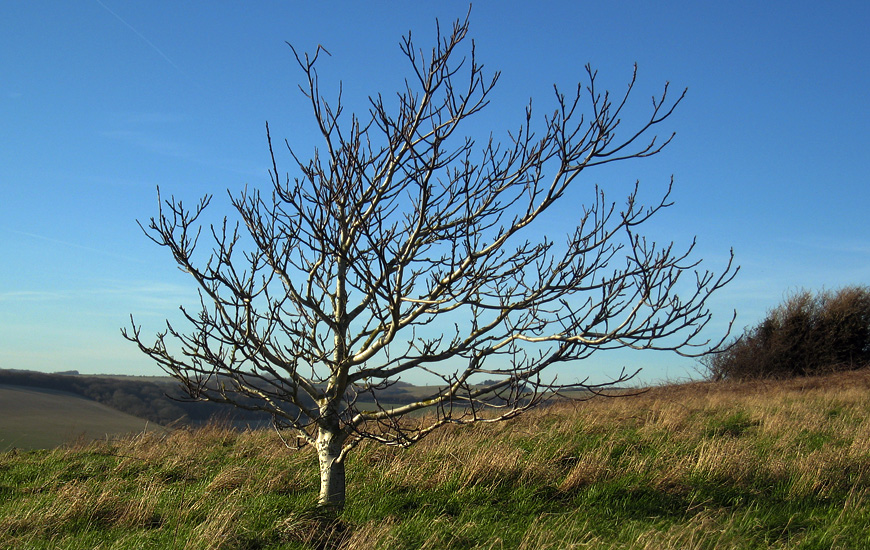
{"points": [[332, 488]]}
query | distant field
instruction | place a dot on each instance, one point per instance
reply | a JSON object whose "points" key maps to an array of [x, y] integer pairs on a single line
{"points": [[36, 418], [164, 379]]}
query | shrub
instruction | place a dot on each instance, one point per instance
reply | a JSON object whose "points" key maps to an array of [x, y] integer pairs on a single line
{"points": [[807, 334]]}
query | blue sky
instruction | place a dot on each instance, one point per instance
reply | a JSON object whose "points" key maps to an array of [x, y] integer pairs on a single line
{"points": [[103, 100]]}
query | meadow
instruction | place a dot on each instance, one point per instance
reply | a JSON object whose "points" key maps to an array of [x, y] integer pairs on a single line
{"points": [[703, 465], [35, 418]]}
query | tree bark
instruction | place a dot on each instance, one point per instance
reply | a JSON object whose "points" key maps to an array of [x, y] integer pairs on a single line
{"points": [[332, 486]]}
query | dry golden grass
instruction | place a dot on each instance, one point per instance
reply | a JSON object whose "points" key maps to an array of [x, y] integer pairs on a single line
{"points": [[694, 466], [795, 439]]}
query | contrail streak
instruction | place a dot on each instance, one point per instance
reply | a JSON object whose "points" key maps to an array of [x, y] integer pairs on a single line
{"points": [[140, 35]]}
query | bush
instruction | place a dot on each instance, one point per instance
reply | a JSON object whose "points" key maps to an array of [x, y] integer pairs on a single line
{"points": [[808, 334]]}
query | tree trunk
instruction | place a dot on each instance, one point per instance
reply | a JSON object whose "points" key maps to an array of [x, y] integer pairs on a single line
{"points": [[332, 488]]}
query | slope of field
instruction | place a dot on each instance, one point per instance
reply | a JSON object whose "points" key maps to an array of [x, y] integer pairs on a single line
{"points": [[36, 418], [759, 465]]}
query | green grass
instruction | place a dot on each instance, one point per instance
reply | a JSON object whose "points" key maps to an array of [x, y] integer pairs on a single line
{"points": [[36, 418], [700, 466]]}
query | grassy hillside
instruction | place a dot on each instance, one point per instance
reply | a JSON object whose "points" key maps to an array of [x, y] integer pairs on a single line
{"points": [[153, 398], [161, 400], [701, 466], [36, 418]]}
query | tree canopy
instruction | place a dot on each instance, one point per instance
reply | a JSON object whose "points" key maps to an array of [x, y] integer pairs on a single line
{"points": [[403, 245]]}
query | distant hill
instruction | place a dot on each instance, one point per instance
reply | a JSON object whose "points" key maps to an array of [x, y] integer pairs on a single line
{"points": [[38, 418], [161, 400], [157, 399]]}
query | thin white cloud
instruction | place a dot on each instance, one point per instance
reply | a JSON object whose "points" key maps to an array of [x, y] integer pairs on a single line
{"points": [[105, 300], [150, 117], [156, 144], [845, 246], [32, 296], [76, 245]]}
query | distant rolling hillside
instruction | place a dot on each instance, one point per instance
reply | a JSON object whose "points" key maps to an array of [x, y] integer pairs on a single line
{"points": [[37, 418]]}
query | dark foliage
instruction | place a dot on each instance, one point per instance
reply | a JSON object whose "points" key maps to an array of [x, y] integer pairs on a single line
{"points": [[807, 334]]}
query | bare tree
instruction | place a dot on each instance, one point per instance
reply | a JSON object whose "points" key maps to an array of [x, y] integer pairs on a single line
{"points": [[402, 247]]}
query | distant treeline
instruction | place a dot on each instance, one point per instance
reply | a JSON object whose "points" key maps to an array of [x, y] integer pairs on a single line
{"points": [[160, 402]]}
